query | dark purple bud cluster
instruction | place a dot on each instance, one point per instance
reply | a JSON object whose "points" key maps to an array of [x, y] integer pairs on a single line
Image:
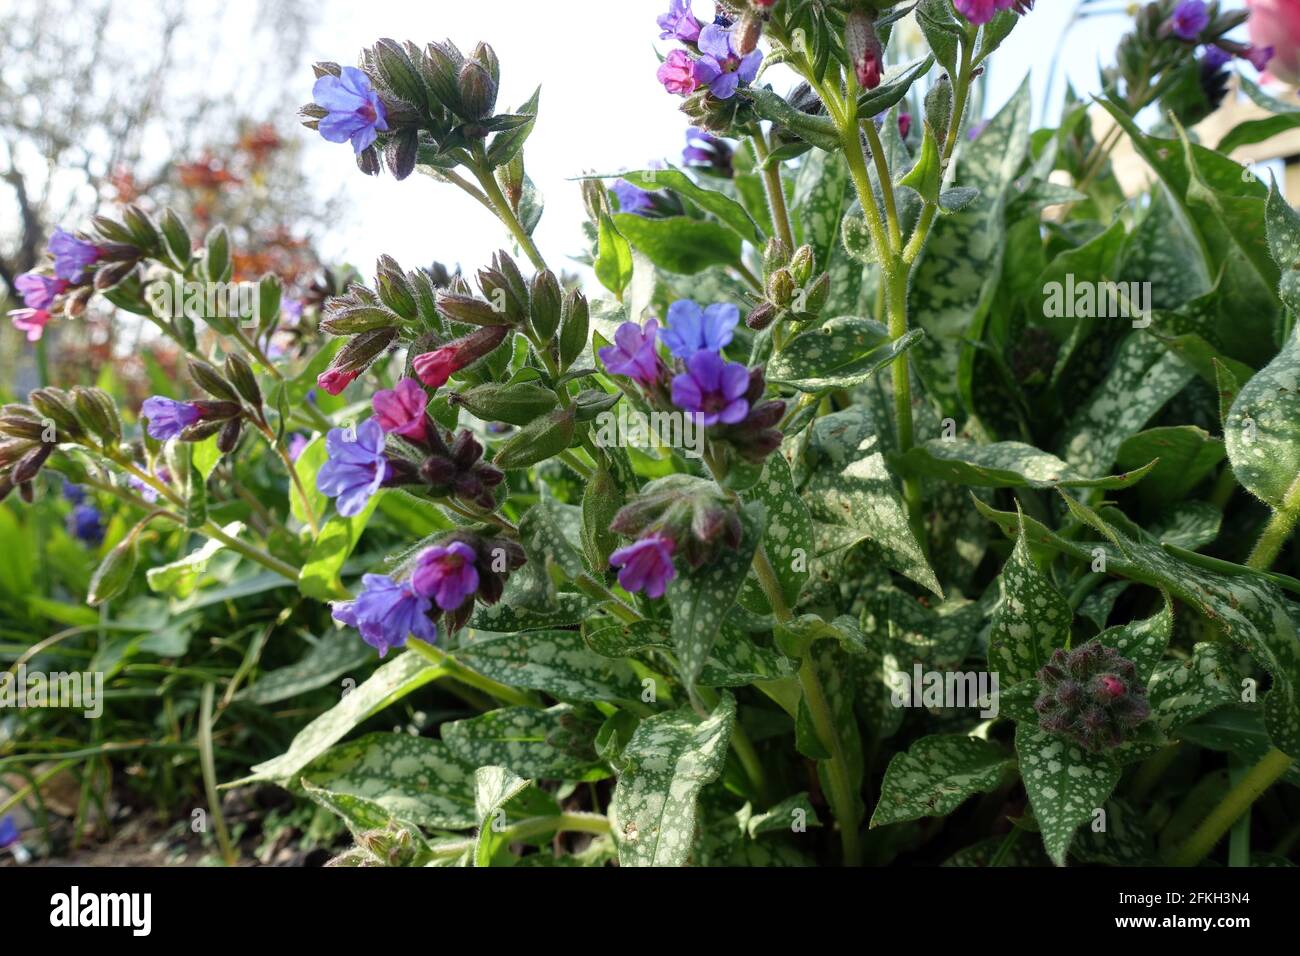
{"points": [[450, 467], [1092, 696]]}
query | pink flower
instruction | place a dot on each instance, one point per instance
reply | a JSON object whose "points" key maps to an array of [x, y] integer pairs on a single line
{"points": [[334, 381], [400, 410], [1276, 24], [677, 73], [434, 368], [31, 321]]}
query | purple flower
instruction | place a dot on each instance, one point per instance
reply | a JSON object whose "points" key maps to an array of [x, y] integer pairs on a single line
{"points": [[706, 151], [721, 68], [1189, 19], [355, 111], [147, 491], [446, 574], [37, 290], [386, 612], [1259, 56], [1215, 59], [86, 524], [631, 198], [71, 255], [168, 418], [291, 312], [297, 445], [73, 493], [677, 73], [647, 565], [679, 22], [8, 832], [31, 321], [633, 352], [714, 388], [691, 328], [400, 410], [356, 467]]}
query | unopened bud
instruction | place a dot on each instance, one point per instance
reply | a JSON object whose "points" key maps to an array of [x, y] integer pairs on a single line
{"points": [[863, 49], [241, 376]]}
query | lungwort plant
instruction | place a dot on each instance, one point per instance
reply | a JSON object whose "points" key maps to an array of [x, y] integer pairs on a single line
{"points": [[911, 489]]}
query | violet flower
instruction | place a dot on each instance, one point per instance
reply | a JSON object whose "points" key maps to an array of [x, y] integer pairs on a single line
{"points": [[71, 255], [1189, 18], [679, 22], [646, 565], [355, 110], [713, 388], [631, 198], [297, 445], [39, 291], [400, 410], [721, 68], [167, 417], [86, 524], [355, 469], [446, 574], [386, 612], [633, 353], [8, 832], [691, 328]]}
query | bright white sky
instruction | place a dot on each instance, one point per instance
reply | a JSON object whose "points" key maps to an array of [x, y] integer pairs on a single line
{"points": [[601, 109]]}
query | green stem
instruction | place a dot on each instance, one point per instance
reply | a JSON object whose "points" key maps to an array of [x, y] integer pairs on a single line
{"points": [[775, 192], [575, 822], [1237, 801], [1277, 530], [208, 764], [842, 794], [886, 182], [501, 206], [771, 585]]}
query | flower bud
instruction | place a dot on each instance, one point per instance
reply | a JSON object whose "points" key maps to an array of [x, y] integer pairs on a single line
{"points": [[775, 256], [573, 328], [176, 239], [209, 379], [228, 437], [545, 304], [435, 367], [55, 405], [478, 91], [112, 274], [471, 311], [815, 298], [144, 234], [863, 49], [242, 378], [802, 265], [780, 288], [543, 438], [398, 72], [114, 573], [345, 318], [518, 403], [95, 410], [22, 426], [395, 288], [747, 31], [362, 350], [217, 411], [761, 316], [29, 466], [1091, 695]]}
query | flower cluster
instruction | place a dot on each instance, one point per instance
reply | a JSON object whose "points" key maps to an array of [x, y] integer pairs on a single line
{"points": [[718, 56], [445, 580], [1091, 695], [67, 289], [982, 11]]}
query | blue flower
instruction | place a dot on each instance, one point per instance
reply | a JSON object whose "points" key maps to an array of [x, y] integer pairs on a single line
{"points": [[356, 467], [632, 199], [8, 832], [713, 388], [386, 612], [721, 68], [167, 417], [71, 255], [74, 493], [355, 110], [691, 329], [86, 524]]}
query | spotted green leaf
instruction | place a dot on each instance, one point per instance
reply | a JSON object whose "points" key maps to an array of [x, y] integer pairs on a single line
{"points": [[850, 489], [494, 788], [389, 683], [412, 778], [787, 535], [668, 761], [1065, 783], [936, 775], [1032, 619], [1143, 376], [1262, 430], [954, 282], [840, 353], [1182, 691], [820, 187], [553, 661], [1142, 641], [1006, 464], [728, 211], [700, 598], [382, 839], [1186, 456], [552, 744]]}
